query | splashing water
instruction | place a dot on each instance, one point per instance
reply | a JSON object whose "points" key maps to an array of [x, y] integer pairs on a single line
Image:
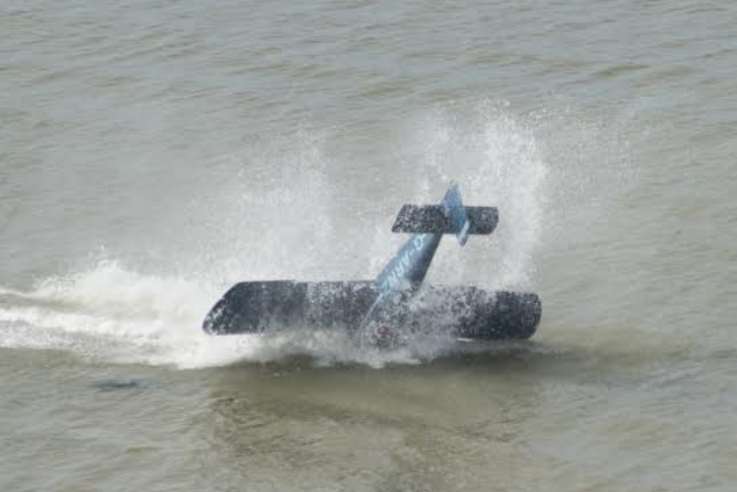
{"points": [[498, 162], [112, 312]]}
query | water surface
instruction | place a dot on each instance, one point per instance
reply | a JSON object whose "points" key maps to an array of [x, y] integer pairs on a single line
{"points": [[153, 153]]}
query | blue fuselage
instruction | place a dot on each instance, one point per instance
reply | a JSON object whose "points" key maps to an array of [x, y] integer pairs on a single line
{"points": [[409, 266]]}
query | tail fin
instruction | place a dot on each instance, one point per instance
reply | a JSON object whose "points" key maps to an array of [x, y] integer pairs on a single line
{"points": [[456, 213], [449, 218]]}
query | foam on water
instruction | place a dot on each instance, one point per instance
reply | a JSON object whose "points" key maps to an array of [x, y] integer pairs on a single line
{"points": [[114, 314], [110, 313], [113, 311]]}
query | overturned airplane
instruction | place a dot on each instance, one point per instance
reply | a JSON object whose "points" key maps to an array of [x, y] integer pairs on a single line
{"points": [[396, 305]]}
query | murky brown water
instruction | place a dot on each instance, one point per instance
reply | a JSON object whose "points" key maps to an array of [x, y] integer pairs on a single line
{"points": [[152, 153]]}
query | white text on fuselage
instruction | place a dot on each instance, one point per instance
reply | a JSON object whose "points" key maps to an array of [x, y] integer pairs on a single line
{"points": [[396, 277]]}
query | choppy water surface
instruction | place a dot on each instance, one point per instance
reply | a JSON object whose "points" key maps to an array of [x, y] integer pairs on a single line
{"points": [[153, 153]]}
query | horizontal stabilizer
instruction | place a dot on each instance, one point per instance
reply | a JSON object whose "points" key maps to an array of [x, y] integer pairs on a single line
{"points": [[431, 219]]}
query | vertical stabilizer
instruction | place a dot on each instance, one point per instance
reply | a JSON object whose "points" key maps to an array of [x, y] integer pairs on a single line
{"points": [[456, 213]]}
